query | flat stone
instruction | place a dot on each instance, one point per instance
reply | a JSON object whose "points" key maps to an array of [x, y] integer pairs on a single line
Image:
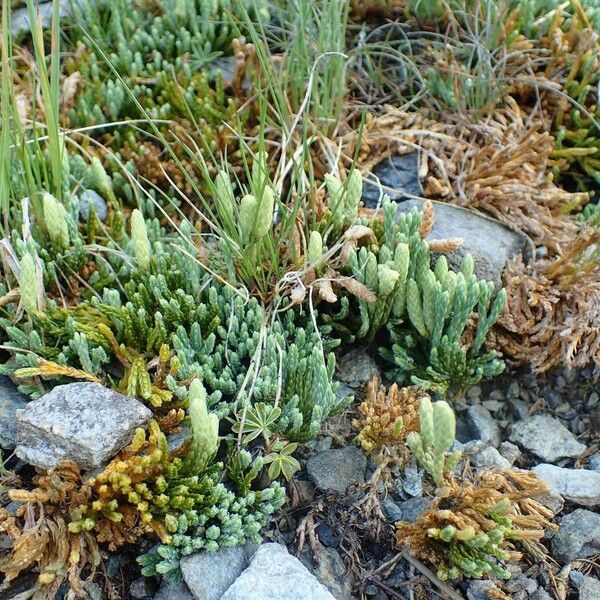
{"points": [[589, 589], [546, 437], [337, 469], [209, 574], [489, 242], [11, 400], [397, 177], [274, 574], [86, 423], [576, 485], [169, 591], [578, 536]]}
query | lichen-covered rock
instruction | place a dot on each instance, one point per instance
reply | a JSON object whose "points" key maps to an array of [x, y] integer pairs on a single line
{"points": [[337, 469], [83, 422], [546, 437], [209, 574], [274, 574], [11, 400]]}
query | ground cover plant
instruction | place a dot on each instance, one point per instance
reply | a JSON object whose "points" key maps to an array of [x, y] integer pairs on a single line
{"points": [[195, 215]]}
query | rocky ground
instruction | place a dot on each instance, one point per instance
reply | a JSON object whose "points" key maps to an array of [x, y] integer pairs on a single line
{"points": [[340, 516]]}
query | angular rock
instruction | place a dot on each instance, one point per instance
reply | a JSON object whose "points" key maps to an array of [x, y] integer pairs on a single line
{"points": [[397, 176], [489, 458], [483, 426], [208, 575], [552, 500], [546, 437], [594, 462], [510, 452], [413, 508], [357, 368], [490, 243], [328, 567], [142, 588], [576, 485], [578, 536], [479, 588], [337, 469], [168, 591], [540, 594], [391, 510], [589, 589], [412, 482], [83, 422], [274, 574], [11, 400]]}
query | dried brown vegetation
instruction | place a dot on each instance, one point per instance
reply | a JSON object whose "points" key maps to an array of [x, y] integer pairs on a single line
{"points": [[472, 526], [386, 417], [40, 535], [554, 309]]}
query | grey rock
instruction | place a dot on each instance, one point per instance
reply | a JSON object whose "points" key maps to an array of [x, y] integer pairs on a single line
{"points": [[489, 458], [589, 589], [578, 536], [391, 510], [83, 422], [177, 440], [413, 508], [208, 575], [552, 500], [576, 577], [337, 469], [141, 588], [521, 583], [576, 485], [94, 590], [412, 482], [328, 567], [168, 591], [89, 198], [19, 23], [11, 400], [483, 426], [274, 574], [490, 243], [395, 176], [478, 589], [540, 594], [357, 368], [510, 452], [546, 437], [594, 462]]}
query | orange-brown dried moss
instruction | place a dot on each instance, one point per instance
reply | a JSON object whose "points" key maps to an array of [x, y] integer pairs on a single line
{"points": [[386, 417]]}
